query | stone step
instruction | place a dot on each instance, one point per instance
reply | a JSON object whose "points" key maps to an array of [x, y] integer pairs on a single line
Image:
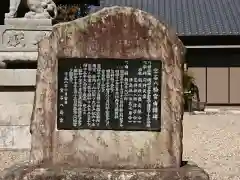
{"points": [[17, 77], [15, 114], [46, 171], [11, 157], [212, 111], [15, 137], [16, 97], [17, 55]]}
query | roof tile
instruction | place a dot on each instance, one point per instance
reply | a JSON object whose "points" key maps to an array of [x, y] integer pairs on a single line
{"points": [[190, 17]]}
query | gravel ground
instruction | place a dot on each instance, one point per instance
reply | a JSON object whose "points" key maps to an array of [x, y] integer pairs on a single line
{"points": [[210, 141], [213, 143]]}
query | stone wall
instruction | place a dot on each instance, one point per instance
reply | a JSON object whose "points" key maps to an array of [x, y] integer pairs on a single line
{"points": [[18, 43], [16, 101]]}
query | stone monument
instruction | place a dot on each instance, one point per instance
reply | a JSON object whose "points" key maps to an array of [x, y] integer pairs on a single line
{"points": [[108, 101]]}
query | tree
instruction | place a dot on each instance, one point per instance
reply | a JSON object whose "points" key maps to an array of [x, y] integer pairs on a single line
{"points": [[70, 12]]}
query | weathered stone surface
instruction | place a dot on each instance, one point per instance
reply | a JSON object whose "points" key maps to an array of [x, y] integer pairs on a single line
{"points": [[15, 114], [71, 173], [16, 98], [22, 37], [116, 32], [16, 56], [19, 39], [13, 156], [17, 77], [24, 22], [15, 137]]}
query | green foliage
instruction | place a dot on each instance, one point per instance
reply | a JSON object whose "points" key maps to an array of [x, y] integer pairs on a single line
{"points": [[188, 79], [71, 12]]}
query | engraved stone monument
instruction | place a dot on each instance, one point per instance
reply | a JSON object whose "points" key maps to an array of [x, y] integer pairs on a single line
{"points": [[108, 96]]}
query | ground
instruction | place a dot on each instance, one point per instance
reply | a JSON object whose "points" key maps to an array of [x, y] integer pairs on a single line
{"points": [[210, 141], [213, 142]]}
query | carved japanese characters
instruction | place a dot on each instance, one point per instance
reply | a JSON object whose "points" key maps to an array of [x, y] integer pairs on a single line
{"points": [[108, 94], [15, 39]]}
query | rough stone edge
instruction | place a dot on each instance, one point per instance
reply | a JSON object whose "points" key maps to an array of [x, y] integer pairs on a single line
{"points": [[21, 171], [217, 112], [46, 46], [26, 22], [6, 57], [94, 17]]}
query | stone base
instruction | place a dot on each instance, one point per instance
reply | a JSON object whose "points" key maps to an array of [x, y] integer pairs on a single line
{"points": [[20, 37], [6, 57], [190, 172], [25, 22]]}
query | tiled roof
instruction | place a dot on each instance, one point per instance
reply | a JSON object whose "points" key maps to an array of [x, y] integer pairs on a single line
{"points": [[190, 17]]}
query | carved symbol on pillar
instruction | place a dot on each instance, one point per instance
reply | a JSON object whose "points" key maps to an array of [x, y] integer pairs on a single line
{"points": [[15, 39], [39, 37]]}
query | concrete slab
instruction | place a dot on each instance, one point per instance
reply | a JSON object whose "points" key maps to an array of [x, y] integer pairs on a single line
{"points": [[17, 56], [17, 77], [24, 22], [16, 97], [15, 114], [15, 137], [10, 157]]}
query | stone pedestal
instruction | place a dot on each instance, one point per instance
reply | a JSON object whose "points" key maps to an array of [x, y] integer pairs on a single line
{"points": [[19, 38], [24, 22], [57, 172]]}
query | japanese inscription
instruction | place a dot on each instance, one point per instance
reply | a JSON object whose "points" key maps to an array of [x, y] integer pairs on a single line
{"points": [[109, 94], [15, 39]]}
